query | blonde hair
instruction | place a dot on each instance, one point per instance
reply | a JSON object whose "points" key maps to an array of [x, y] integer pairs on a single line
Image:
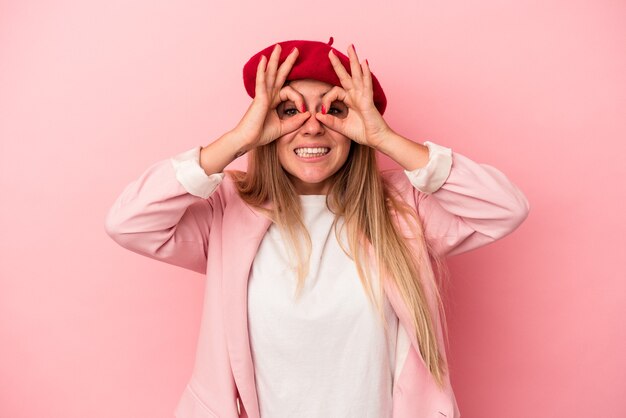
{"points": [[367, 203]]}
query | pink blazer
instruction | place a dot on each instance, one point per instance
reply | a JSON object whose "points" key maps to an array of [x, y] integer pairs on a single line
{"points": [[219, 236]]}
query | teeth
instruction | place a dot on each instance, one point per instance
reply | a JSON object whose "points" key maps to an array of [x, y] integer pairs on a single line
{"points": [[312, 152]]}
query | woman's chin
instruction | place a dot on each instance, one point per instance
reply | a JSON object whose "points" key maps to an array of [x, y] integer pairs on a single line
{"points": [[310, 184]]}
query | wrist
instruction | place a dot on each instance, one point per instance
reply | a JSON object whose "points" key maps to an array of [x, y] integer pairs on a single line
{"points": [[408, 154], [218, 154], [233, 144], [237, 143], [385, 141]]}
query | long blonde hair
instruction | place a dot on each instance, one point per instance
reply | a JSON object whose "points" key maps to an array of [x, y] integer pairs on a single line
{"points": [[367, 204]]}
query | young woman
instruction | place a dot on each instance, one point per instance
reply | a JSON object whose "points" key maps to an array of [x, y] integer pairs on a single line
{"points": [[322, 294]]}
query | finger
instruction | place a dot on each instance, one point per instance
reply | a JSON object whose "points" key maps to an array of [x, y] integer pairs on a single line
{"points": [[285, 67], [289, 93], [293, 123], [355, 67], [260, 76], [367, 76], [336, 93], [272, 66], [340, 70], [331, 122]]}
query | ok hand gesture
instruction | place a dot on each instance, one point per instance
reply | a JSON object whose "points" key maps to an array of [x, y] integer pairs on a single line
{"points": [[261, 124], [364, 123]]}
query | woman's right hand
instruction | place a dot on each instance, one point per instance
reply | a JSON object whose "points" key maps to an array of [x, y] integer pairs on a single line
{"points": [[261, 124]]}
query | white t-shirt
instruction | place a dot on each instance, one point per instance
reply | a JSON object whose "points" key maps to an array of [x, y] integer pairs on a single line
{"points": [[327, 354]]}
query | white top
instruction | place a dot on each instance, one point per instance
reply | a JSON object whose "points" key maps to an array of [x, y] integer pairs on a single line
{"points": [[326, 355]]}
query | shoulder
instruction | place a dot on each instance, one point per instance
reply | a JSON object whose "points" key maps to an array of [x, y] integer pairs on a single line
{"points": [[397, 181], [228, 187], [394, 176], [226, 192]]}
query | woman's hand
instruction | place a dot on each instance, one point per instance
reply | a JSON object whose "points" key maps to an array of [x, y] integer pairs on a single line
{"points": [[261, 125], [364, 123]]}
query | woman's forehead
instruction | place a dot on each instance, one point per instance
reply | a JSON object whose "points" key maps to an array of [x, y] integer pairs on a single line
{"points": [[310, 87]]}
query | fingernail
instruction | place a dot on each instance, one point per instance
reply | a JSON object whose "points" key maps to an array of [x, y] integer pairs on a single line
{"points": [[303, 109], [293, 49], [367, 62], [354, 48], [323, 110]]}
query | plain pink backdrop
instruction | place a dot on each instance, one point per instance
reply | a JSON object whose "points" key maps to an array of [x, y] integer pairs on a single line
{"points": [[92, 93]]}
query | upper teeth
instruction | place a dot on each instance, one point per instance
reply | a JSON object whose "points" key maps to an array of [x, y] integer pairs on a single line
{"points": [[308, 151]]}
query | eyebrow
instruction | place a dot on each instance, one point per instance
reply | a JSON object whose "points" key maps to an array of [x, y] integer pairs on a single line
{"points": [[320, 96]]}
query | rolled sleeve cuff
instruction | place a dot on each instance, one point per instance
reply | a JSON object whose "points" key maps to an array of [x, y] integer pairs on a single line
{"points": [[433, 175], [192, 176]]}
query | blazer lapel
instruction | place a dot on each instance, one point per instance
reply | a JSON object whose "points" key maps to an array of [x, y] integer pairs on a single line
{"points": [[406, 322], [244, 230]]}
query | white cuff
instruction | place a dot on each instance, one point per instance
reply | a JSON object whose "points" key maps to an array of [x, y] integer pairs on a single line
{"points": [[192, 176], [432, 176]]}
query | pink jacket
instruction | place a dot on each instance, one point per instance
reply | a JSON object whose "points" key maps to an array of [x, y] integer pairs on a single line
{"points": [[219, 235]]}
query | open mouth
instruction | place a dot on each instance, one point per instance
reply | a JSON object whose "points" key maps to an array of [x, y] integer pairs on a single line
{"points": [[311, 152]]}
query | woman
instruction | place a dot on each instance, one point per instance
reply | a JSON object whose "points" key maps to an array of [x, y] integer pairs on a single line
{"points": [[321, 298]]}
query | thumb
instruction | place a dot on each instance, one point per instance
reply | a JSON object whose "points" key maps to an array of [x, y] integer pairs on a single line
{"points": [[332, 122], [293, 123]]}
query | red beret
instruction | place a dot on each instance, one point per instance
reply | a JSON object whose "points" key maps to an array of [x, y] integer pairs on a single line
{"points": [[312, 62]]}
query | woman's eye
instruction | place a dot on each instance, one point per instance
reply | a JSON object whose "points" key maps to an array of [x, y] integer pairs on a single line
{"points": [[290, 112], [338, 110]]}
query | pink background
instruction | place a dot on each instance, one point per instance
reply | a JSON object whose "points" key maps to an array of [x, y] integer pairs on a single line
{"points": [[92, 93]]}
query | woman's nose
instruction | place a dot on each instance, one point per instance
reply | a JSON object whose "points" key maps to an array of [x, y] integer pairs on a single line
{"points": [[312, 126]]}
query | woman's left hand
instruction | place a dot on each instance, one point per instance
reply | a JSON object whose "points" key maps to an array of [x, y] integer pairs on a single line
{"points": [[364, 123]]}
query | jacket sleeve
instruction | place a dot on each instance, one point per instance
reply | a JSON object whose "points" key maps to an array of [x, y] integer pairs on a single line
{"points": [[165, 214], [463, 204]]}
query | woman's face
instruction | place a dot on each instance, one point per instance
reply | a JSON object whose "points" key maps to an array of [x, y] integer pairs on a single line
{"points": [[313, 153]]}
